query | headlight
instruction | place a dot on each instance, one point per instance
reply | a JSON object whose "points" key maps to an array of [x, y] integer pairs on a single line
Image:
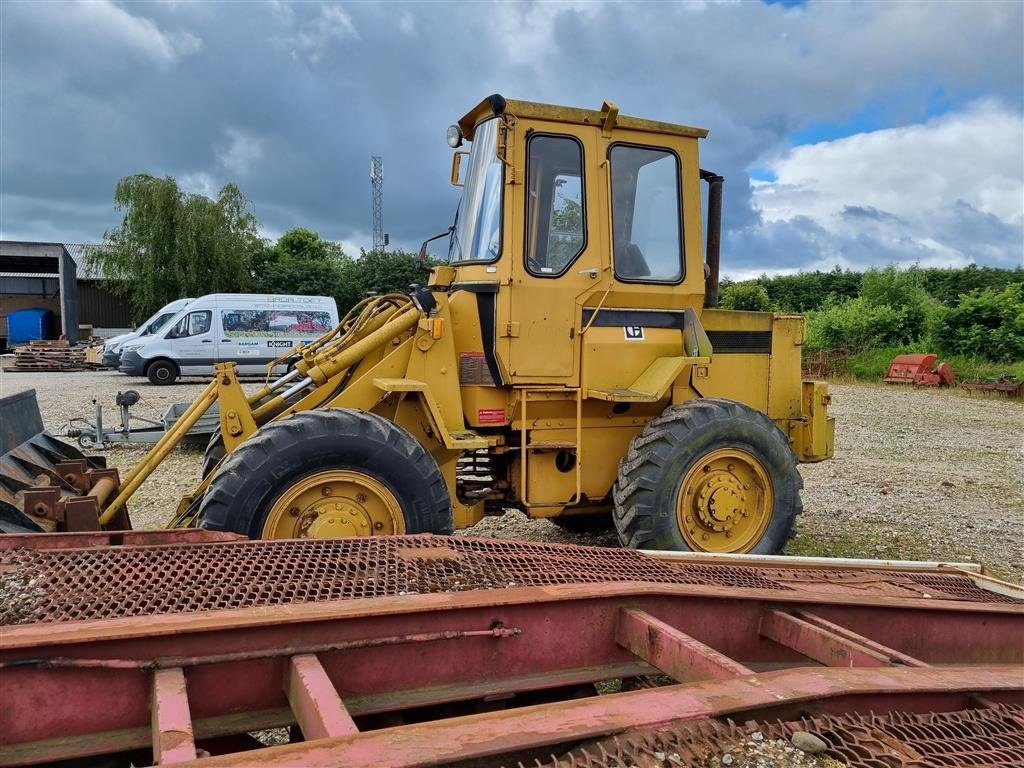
{"points": [[454, 136], [131, 347]]}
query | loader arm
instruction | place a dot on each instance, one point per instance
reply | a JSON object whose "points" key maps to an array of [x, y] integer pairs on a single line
{"points": [[321, 371]]}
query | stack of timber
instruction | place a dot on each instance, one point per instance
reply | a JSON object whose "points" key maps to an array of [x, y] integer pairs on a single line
{"points": [[47, 356], [94, 352]]}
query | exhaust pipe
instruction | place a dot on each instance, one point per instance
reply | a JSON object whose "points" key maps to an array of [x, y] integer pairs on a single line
{"points": [[714, 245]]}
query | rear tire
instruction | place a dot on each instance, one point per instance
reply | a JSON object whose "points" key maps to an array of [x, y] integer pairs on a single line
{"points": [[328, 473], [708, 475], [161, 372]]}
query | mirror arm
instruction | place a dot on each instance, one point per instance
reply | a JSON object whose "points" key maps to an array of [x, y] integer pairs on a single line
{"points": [[421, 257]]}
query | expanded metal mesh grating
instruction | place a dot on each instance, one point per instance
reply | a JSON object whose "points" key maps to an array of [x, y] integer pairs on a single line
{"points": [[981, 737], [115, 582]]}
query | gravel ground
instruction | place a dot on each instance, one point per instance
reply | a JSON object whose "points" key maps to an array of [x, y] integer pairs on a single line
{"points": [[918, 474]]}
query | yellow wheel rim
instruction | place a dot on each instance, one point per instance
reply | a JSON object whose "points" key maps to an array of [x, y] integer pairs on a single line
{"points": [[334, 503], [725, 502]]}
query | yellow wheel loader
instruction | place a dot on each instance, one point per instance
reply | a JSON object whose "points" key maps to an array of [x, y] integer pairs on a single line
{"points": [[567, 358]]}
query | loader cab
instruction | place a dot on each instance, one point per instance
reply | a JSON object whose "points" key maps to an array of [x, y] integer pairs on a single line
{"points": [[577, 230]]}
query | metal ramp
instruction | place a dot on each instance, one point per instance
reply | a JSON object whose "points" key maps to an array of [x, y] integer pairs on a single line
{"points": [[424, 650]]}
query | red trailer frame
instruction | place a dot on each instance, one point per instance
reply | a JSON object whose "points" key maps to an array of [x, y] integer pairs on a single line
{"points": [[416, 651]]}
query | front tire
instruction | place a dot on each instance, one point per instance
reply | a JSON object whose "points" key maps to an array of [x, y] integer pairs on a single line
{"points": [[325, 474], [162, 372], [709, 475], [214, 453]]}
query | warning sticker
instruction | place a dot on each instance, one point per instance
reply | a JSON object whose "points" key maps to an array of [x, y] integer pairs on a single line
{"points": [[490, 416]]}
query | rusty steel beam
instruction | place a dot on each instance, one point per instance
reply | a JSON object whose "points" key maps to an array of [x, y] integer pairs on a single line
{"points": [[121, 740], [506, 733], [173, 740], [318, 709], [829, 643], [675, 653], [579, 620], [92, 539]]}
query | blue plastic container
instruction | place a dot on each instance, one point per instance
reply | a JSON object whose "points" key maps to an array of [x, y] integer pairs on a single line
{"points": [[26, 325]]}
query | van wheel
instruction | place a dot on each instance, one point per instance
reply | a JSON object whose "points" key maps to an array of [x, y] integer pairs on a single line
{"points": [[162, 372], [328, 474], [709, 475]]}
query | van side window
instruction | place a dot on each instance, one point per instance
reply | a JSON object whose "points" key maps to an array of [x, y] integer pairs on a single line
{"points": [[192, 324], [264, 322], [646, 214], [555, 212]]}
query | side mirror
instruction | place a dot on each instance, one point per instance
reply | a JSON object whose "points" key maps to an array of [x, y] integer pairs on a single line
{"points": [[456, 168]]}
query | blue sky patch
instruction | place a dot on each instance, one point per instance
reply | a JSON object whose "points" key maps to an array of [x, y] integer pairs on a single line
{"points": [[760, 173], [893, 111]]}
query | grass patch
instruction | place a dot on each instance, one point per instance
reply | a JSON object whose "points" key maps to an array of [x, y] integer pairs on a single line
{"points": [[869, 544], [872, 364]]}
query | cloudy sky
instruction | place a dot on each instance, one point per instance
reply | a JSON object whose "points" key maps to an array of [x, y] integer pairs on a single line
{"points": [[849, 133]]}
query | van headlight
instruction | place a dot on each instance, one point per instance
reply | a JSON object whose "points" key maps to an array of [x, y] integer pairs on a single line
{"points": [[131, 347]]}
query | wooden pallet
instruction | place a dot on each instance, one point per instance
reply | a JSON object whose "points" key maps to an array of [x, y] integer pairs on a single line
{"points": [[47, 356]]}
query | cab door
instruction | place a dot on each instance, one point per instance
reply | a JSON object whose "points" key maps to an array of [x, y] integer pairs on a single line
{"points": [[559, 264]]}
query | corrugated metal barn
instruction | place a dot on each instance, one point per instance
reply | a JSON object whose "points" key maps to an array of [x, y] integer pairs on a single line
{"points": [[55, 276]]}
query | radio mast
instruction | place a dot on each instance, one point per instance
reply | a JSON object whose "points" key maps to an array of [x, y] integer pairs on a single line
{"points": [[377, 186]]}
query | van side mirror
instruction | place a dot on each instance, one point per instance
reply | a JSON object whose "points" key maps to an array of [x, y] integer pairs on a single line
{"points": [[456, 168]]}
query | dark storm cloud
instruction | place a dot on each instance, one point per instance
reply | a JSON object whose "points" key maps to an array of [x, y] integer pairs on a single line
{"points": [[290, 100]]}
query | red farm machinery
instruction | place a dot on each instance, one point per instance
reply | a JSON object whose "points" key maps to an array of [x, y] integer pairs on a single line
{"points": [[920, 370]]}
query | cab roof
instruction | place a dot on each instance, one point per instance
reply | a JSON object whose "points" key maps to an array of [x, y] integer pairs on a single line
{"points": [[496, 105]]}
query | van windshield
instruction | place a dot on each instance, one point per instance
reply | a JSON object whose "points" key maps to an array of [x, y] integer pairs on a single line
{"points": [[157, 323]]}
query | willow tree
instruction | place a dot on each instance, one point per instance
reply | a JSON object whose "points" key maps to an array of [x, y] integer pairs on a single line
{"points": [[173, 244]]}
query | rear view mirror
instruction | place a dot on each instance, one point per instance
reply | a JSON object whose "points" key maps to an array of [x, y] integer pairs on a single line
{"points": [[457, 168]]}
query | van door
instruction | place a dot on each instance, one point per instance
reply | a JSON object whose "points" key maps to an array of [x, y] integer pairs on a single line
{"points": [[193, 343]]}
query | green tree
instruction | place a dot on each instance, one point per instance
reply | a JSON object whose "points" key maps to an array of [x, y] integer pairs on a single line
{"points": [[301, 262], [752, 297], [855, 325], [566, 235], [172, 243], [988, 324], [903, 291], [805, 291], [948, 285], [376, 272]]}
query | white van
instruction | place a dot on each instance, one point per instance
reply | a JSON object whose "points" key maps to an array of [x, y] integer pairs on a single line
{"points": [[112, 347], [249, 329]]}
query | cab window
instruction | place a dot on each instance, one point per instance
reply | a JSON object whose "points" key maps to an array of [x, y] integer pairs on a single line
{"points": [[192, 324], [555, 211], [646, 218]]}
